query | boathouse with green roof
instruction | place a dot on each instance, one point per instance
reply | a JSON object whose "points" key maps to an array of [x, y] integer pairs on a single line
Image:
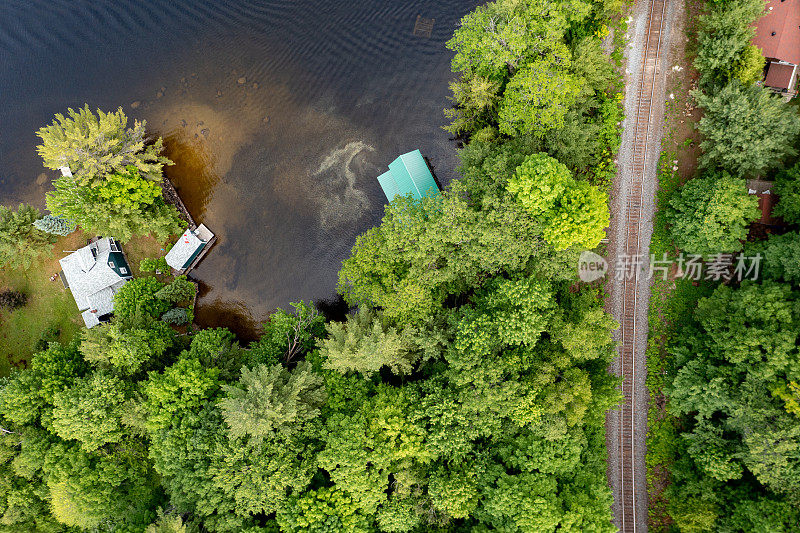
{"points": [[408, 174]]}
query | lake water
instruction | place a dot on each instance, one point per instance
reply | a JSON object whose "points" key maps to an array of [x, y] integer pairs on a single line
{"points": [[278, 114]]}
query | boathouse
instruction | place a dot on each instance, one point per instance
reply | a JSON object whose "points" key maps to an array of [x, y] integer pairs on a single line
{"points": [[408, 174], [189, 248]]}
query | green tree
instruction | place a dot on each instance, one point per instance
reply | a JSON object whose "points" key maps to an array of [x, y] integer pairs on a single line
{"points": [[89, 489], [185, 386], [496, 37], [178, 290], [746, 130], [272, 400], [363, 344], [94, 146], [123, 205], [537, 98], [364, 448], [20, 241], [55, 225], [573, 213], [724, 50], [137, 299], [475, 104], [127, 346], [743, 342], [711, 214], [324, 510], [91, 411], [781, 257], [457, 245], [750, 66], [289, 335], [787, 186], [218, 348]]}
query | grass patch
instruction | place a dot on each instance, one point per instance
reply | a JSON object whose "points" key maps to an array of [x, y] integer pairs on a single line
{"points": [[50, 313]]}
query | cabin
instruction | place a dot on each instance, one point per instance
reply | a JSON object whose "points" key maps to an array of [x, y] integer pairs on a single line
{"points": [[762, 189], [94, 274], [189, 249], [778, 37], [408, 174]]}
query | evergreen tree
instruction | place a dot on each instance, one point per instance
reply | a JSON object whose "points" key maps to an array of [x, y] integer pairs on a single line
{"points": [[178, 316], [364, 345], [746, 130], [20, 241], [95, 146], [55, 225], [270, 400]]}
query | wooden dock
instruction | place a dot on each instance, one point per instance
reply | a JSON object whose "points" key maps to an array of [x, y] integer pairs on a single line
{"points": [[172, 197]]}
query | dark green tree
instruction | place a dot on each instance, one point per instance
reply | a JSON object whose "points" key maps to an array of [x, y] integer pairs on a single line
{"points": [[20, 241], [746, 130]]}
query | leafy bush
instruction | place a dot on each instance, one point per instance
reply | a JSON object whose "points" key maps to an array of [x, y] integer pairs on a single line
{"points": [[151, 265]]}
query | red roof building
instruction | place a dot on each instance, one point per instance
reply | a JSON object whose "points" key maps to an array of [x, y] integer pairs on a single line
{"points": [[778, 36]]}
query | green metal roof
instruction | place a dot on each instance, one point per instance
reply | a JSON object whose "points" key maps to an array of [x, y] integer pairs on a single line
{"points": [[409, 173]]}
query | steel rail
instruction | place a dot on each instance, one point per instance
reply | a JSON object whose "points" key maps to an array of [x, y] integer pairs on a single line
{"points": [[627, 444]]}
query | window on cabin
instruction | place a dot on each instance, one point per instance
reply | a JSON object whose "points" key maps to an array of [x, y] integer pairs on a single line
{"points": [[123, 270]]}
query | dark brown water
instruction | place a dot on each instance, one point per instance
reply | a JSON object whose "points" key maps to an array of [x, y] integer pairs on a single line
{"points": [[278, 114]]}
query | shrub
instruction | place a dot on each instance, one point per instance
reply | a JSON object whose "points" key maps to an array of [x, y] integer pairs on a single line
{"points": [[55, 225], [10, 299], [178, 316], [180, 290], [151, 265]]}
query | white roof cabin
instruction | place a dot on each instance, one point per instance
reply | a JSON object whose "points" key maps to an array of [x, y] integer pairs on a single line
{"points": [[94, 274]]}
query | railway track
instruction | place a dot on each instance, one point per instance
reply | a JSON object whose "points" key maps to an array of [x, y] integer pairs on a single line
{"points": [[631, 247]]}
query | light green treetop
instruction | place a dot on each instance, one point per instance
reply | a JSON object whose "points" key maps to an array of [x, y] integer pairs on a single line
{"points": [[93, 146]]}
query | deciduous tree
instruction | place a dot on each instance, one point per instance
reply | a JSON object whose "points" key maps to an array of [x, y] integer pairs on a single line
{"points": [[711, 214]]}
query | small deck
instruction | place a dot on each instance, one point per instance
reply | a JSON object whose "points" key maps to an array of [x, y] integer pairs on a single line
{"points": [[423, 27]]}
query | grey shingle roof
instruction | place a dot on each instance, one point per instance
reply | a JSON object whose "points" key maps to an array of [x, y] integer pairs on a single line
{"points": [[92, 281]]}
